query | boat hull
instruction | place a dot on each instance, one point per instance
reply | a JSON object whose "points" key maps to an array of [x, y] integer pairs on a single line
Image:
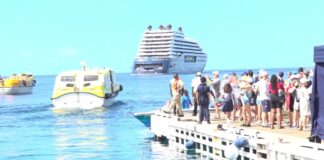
{"points": [[180, 64], [80, 100], [151, 66], [16, 90]]}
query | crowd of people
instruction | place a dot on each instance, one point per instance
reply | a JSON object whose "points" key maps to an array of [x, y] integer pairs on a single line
{"points": [[260, 98]]}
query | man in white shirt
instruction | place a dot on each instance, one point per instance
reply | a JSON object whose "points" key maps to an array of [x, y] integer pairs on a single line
{"points": [[262, 87]]}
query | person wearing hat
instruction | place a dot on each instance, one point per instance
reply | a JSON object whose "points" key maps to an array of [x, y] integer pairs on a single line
{"points": [[194, 85], [203, 96], [261, 87], [304, 106], [176, 89]]}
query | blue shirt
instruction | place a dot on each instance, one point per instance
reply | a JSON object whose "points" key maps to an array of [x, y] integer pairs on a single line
{"points": [[185, 102]]}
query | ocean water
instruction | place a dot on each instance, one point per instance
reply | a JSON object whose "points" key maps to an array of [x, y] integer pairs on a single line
{"points": [[31, 129]]}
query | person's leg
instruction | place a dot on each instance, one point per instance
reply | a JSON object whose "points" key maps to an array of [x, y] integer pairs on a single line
{"points": [[178, 105], [263, 113], [272, 115], [305, 122], [194, 113], [279, 117], [207, 116], [259, 112], [301, 123], [216, 108], [233, 113], [273, 110], [244, 114], [172, 105], [296, 117], [249, 115], [200, 113]]}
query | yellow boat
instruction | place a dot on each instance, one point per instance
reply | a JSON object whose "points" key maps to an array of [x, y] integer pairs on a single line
{"points": [[17, 84], [85, 89]]}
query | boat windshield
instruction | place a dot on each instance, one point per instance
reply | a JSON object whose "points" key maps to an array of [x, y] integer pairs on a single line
{"points": [[91, 78], [68, 78]]}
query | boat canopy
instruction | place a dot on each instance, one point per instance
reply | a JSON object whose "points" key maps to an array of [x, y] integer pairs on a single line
{"points": [[317, 98]]}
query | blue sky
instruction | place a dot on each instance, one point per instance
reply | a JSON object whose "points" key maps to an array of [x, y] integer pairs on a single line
{"points": [[48, 37]]}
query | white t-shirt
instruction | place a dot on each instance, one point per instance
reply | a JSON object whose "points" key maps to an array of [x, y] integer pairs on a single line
{"points": [[263, 88], [195, 83]]}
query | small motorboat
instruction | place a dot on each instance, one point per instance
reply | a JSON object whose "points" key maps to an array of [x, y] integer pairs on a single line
{"points": [[17, 84]]}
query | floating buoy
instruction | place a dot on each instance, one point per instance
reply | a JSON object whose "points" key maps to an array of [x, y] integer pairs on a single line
{"points": [[241, 142], [231, 152], [190, 144]]}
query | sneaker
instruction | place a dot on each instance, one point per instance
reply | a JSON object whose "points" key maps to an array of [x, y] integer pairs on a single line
{"points": [[208, 122], [243, 125], [248, 125], [198, 122], [181, 115]]}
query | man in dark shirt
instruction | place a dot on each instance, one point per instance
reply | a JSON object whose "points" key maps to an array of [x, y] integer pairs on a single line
{"points": [[203, 98]]}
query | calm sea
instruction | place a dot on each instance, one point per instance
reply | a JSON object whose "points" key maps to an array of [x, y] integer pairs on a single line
{"points": [[30, 129]]}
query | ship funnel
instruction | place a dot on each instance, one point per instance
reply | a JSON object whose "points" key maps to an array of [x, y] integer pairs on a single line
{"points": [[169, 26], [149, 27], [161, 27], [180, 29]]}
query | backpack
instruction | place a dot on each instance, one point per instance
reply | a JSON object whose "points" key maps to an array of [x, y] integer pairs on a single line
{"points": [[203, 96]]}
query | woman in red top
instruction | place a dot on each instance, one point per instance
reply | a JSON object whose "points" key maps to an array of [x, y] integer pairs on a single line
{"points": [[275, 104]]}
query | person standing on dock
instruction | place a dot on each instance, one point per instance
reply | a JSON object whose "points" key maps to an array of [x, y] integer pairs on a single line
{"points": [[203, 96], [276, 107], [194, 85], [176, 89], [216, 85], [262, 87]]}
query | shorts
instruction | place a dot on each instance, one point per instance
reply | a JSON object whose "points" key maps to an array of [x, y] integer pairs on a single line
{"points": [[258, 102], [296, 106], [274, 101], [265, 105], [237, 102], [228, 106]]}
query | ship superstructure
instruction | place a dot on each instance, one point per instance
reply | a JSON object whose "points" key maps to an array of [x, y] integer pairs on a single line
{"points": [[165, 50]]}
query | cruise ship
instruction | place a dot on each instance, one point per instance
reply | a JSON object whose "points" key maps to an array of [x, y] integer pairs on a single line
{"points": [[167, 51]]}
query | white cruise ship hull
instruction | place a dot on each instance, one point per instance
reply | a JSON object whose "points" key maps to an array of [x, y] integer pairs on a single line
{"points": [[81, 100], [181, 64], [16, 90]]}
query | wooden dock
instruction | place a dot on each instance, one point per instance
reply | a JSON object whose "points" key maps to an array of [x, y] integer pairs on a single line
{"points": [[212, 141]]}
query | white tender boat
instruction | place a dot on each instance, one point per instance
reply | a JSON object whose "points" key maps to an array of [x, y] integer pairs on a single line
{"points": [[85, 89]]}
